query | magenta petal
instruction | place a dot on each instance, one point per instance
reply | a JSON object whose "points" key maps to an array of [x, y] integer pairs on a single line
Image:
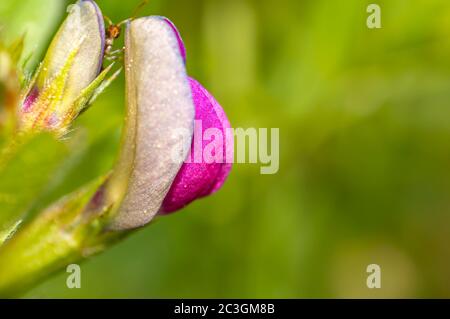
{"points": [[196, 180]]}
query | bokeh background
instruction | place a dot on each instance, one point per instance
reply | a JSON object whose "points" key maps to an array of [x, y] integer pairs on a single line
{"points": [[364, 177]]}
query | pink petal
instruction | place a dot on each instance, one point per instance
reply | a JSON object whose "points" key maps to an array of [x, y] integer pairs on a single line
{"points": [[196, 180]]}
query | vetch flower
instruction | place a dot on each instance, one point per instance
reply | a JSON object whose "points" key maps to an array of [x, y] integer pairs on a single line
{"points": [[168, 117], [162, 105], [159, 105], [70, 75]]}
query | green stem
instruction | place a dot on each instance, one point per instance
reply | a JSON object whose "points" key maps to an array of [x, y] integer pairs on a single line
{"points": [[65, 233]]}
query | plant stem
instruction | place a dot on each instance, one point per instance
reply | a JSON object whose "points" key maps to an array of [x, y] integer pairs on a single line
{"points": [[65, 233]]}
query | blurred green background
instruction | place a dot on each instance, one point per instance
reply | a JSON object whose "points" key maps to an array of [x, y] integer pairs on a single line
{"points": [[364, 175]]}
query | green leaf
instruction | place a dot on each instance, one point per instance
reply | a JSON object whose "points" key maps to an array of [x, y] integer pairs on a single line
{"points": [[26, 168]]}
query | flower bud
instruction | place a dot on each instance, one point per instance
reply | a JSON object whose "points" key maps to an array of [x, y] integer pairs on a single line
{"points": [[69, 74], [162, 103]]}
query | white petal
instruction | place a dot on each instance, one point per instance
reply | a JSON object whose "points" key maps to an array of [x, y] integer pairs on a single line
{"points": [[159, 108]]}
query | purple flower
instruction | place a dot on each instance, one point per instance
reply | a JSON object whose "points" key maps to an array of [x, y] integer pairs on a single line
{"points": [[163, 104]]}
